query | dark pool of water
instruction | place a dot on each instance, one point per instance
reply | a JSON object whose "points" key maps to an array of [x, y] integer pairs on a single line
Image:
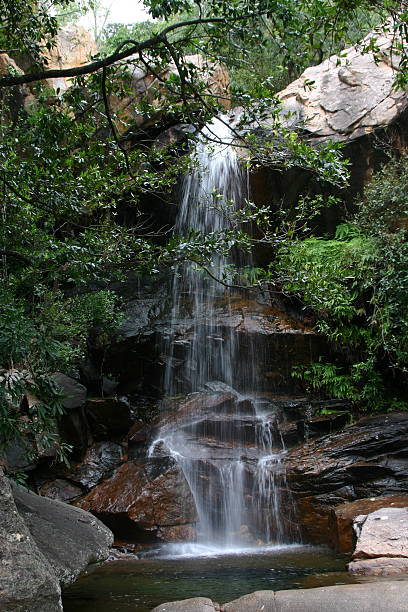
{"points": [[140, 585]]}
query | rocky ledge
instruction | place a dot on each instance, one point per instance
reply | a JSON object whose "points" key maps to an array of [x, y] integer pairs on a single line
{"points": [[373, 597], [340, 476]]}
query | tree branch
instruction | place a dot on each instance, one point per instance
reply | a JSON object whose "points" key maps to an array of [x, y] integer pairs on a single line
{"points": [[11, 80], [17, 255]]}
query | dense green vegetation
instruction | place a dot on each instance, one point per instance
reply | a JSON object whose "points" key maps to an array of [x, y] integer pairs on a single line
{"points": [[67, 160], [356, 284]]}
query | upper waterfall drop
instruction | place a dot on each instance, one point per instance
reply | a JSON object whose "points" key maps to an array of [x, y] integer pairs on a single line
{"points": [[209, 195]]}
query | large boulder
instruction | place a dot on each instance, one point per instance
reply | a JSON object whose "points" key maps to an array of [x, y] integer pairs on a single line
{"points": [[343, 516], [383, 533], [70, 539], [347, 95], [382, 543], [46, 544], [366, 460], [27, 580]]}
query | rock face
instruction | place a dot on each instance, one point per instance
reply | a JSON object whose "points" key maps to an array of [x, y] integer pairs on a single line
{"points": [[45, 544], [347, 96], [364, 461]]}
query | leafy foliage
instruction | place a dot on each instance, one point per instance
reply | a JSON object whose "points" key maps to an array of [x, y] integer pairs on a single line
{"points": [[357, 285]]}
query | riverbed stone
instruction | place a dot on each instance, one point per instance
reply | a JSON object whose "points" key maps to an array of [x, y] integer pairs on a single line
{"points": [[380, 566], [195, 604], [383, 533]]}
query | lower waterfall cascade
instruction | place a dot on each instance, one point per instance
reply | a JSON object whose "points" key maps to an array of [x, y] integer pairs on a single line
{"points": [[229, 450]]}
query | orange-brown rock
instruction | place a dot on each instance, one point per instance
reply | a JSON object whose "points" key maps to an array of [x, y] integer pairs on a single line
{"points": [[341, 518], [154, 496], [74, 46]]}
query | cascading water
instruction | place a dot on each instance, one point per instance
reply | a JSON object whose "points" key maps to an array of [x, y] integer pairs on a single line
{"points": [[235, 474]]}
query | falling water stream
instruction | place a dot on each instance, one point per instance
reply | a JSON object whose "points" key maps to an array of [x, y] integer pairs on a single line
{"points": [[237, 499]]}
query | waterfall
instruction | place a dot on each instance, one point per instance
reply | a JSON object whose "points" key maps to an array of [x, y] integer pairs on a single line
{"points": [[236, 473]]}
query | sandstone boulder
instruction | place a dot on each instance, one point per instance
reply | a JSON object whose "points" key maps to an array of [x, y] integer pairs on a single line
{"points": [[342, 517], [383, 533], [70, 539], [27, 580], [347, 96]]}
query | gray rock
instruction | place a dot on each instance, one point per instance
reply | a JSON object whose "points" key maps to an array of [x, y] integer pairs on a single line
{"points": [[345, 96], [99, 462], [27, 581], [259, 601], [75, 393], [381, 566], [383, 533], [60, 489], [195, 604], [390, 596], [372, 597], [70, 539]]}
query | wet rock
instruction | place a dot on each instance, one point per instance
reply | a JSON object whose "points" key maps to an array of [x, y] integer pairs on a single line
{"points": [[195, 604], [153, 495], [72, 426], [70, 539], [99, 462], [241, 430], [381, 566], [60, 489], [383, 533], [27, 580], [195, 406], [325, 424], [177, 533], [74, 392], [108, 416], [366, 460], [342, 517], [16, 456]]}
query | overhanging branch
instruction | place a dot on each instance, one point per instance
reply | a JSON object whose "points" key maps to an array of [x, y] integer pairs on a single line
{"points": [[12, 80]]}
